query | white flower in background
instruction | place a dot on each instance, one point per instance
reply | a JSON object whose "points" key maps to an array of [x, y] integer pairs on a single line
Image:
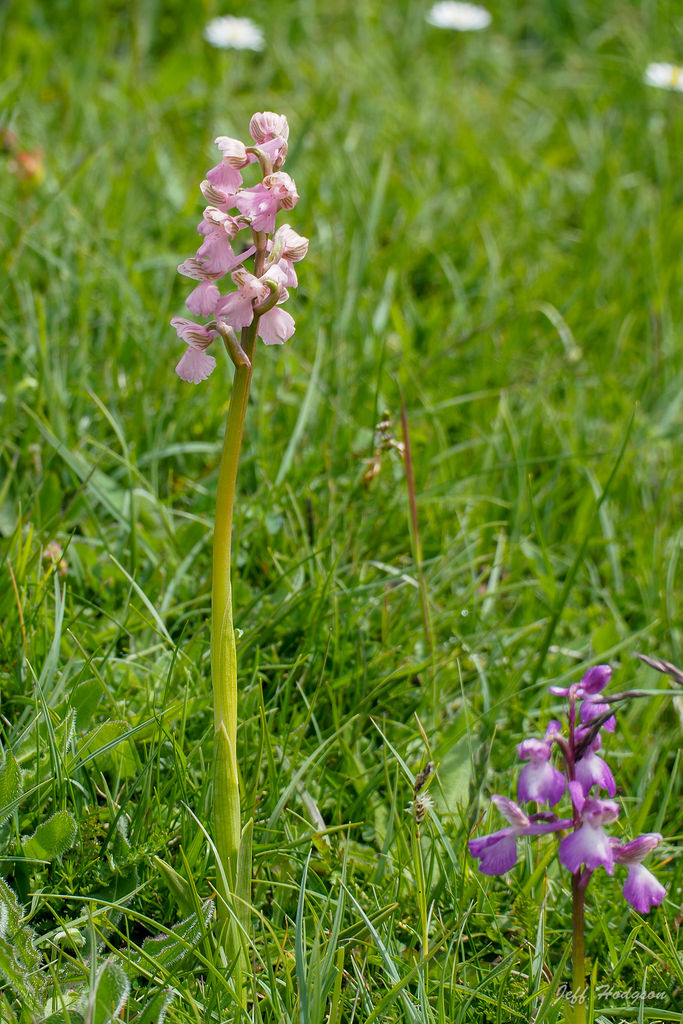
{"points": [[230, 33], [664, 76], [461, 17]]}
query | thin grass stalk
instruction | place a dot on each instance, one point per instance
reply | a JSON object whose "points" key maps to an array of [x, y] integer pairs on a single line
{"points": [[415, 534], [421, 897]]}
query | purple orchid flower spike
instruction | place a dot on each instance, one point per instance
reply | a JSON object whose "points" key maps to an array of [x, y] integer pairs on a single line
{"points": [[497, 853], [586, 846], [642, 890]]}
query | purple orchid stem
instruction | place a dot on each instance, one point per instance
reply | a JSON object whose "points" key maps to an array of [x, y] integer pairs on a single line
{"points": [[578, 949], [578, 890]]}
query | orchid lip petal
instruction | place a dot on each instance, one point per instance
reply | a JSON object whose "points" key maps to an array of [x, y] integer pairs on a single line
{"points": [[642, 889]]}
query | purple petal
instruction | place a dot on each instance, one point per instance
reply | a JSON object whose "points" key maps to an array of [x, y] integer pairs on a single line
{"points": [[637, 849], [591, 771], [510, 811], [589, 846], [577, 794], [541, 782], [496, 853], [590, 709], [642, 890], [595, 679], [599, 812], [534, 750]]}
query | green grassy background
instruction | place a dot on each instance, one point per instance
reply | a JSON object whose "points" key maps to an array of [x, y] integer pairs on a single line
{"points": [[496, 225]]}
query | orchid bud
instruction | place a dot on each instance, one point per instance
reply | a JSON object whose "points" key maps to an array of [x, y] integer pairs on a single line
{"points": [[267, 125]]}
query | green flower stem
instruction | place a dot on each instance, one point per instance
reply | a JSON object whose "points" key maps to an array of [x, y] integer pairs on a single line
{"points": [[578, 968], [227, 823], [226, 794]]}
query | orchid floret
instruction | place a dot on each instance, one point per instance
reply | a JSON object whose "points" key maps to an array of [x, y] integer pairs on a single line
{"points": [[266, 125], [641, 889], [591, 770], [589, 845], [539, 781], [497, 853], [226, 178], [234, 153]]}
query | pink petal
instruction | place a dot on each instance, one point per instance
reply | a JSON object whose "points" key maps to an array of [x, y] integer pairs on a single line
{"points": [[195, 365], [224, 177], [236, 310], [216, 196], [288, 245], [192, 333], [218, 254], [203, 300], [265, 125], [194, 268], [276, 326], [260, 205], [276, 151], [282, 186], [234, 152]]}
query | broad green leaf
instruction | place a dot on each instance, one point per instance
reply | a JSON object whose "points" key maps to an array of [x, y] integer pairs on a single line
{"points": [[10, 784], [85, 700], [106, 1002], [605, 637], [155, 1008], [20, 937], [106, 746], [72, 1017], [176, 883], [166, 949], [455, 771], [16, 973], [53, 838]]}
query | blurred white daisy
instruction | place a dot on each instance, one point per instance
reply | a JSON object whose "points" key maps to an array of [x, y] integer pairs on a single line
{"points": [[230, 33], [664, 76], [461, 17]]}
